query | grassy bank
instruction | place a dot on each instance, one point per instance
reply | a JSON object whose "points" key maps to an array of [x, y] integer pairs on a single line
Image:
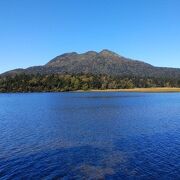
{"points": [[166, 89]]}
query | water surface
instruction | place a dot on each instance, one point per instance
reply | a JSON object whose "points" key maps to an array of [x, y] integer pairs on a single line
{"points": [[90, 135]]}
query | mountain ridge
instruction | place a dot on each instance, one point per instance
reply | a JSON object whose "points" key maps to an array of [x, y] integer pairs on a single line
{"points": [[103, 62]]}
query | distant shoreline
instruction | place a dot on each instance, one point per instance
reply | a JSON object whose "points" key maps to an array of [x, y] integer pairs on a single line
{"points": [[156, 90], [141, 90]]}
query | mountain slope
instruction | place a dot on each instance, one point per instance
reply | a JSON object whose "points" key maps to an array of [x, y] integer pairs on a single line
{"points": [[104, 62]]}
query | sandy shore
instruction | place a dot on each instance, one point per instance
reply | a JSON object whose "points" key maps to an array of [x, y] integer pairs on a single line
{"points": [[139, 90]]}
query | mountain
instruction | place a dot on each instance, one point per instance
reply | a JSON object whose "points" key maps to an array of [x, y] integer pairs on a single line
{"points": [[104, 62]]}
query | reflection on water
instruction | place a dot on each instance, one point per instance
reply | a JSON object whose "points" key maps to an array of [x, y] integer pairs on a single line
{"points": [[90, 135]]}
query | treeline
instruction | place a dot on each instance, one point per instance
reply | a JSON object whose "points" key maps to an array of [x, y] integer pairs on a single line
{"points": [[56, 83]]}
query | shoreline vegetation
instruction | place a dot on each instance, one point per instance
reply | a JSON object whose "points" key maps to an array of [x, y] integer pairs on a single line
{"points": [[138, 90], [86, 82]]}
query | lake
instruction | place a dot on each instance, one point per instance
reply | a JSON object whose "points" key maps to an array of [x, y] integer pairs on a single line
{"points": [[96, 135]]}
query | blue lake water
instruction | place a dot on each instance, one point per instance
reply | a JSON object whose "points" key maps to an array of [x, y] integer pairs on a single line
{"points": [[90, 135]]}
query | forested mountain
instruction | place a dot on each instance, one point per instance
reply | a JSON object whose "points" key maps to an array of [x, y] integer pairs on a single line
{"points": [[90, 70], [105, 62]]}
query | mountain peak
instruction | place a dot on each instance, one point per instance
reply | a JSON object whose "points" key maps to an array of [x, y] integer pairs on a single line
{"points": [[91, 53], [69, 54], [107, 52]]}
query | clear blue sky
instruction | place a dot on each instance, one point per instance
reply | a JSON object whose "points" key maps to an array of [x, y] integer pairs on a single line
{"points": [[34, 31]]}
